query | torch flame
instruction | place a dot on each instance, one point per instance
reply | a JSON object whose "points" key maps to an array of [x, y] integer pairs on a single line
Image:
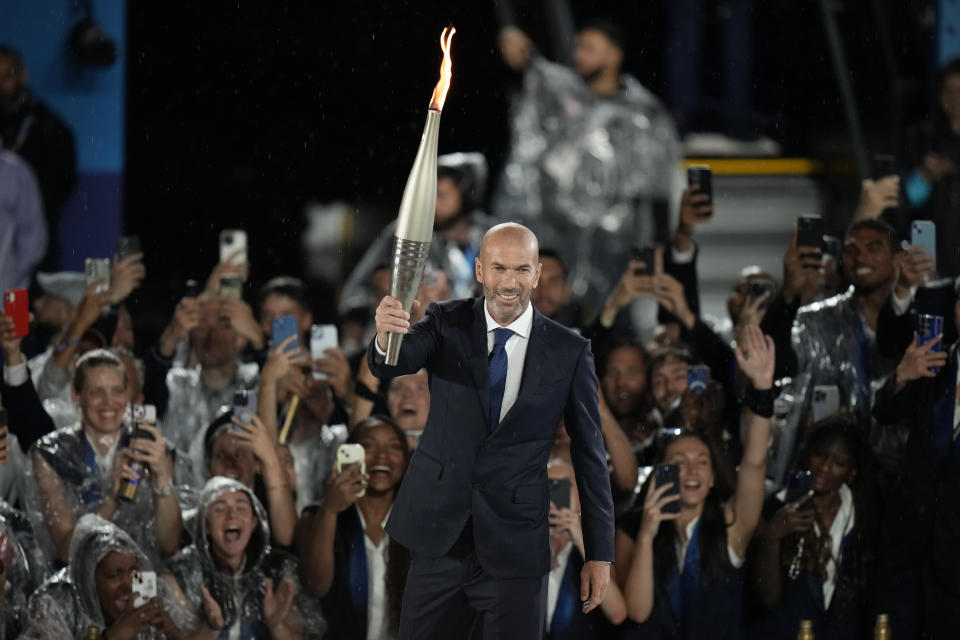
{"points": [[446, 71]]}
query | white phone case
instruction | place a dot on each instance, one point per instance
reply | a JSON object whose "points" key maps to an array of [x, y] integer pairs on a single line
{"points": [[145, 586]]}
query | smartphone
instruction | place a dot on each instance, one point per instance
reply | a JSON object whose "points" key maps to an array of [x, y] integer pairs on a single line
{"points": [[923, 233], [145, 413], [128, 245], [664, 473], [826, 401], [928, 328], [283, 328], [233, 241], [231, 287], [884, 165], [810, 232], [97, 270], [698, 375], [798, 485], [322, 337], [645, 255], [759, 288], [16, 305], [191, 289], [352, 453], [145, 586], [701, 177], [244, 406], [560, 492]]}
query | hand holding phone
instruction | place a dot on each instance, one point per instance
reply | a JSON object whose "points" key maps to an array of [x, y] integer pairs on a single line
{"points": [[283, 328], [701, 177], [798, 486], [349, 454], [664, 474], [322, 337], [646, 255], [923, 233], [560, 492], [16, 305], [145, 586], [698, 375], [810, 232]]}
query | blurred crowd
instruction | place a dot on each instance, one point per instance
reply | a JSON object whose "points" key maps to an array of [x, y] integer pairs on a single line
{"points": [[200, 486]]}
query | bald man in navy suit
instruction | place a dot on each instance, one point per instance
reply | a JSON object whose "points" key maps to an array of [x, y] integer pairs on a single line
{"points": [[474, 502]]}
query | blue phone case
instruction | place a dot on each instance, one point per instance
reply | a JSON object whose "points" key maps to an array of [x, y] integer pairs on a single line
{"points": [[698, 375], [283, 328], [923, 233]]}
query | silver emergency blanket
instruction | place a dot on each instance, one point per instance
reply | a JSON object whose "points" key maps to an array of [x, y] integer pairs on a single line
{"points": [[68, 604], [192, 407], [833, 346], [240, 596], [584, 169], [313, 460], [85, 481]]}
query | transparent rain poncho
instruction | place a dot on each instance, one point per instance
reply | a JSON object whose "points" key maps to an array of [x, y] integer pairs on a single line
{"points": [[584, 169], [81, 480], [68, 604], [833, 347], [26, 568], [240, 596], [192, 407]]}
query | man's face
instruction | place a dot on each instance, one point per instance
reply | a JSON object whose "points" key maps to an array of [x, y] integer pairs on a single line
{"points": [[409, 401], [214, 340], [625, 381], [103, 398], [230, 523], [114, 579], [595, 54], [232, 459], [12, 81], [276, 305], [553, 292], [668, 382], [868, 260], [950, 96], [449, 201], [508, 270]]}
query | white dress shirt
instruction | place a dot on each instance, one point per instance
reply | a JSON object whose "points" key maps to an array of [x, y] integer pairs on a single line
{"points": [[377, 618], [516, 348]]}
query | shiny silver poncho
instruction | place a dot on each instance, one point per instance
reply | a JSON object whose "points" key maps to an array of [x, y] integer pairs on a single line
{"points": [[583, 169]]}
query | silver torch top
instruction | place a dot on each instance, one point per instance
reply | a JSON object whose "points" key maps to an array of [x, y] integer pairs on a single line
{"points": [[411, 242]]}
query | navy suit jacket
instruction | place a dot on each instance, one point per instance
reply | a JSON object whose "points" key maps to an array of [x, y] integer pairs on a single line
{"points": [[460, 469]]}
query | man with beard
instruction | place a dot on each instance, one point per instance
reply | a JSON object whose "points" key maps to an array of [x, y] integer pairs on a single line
{"points": [[593, 156], [473, 507], [29, 129], [624, 383], [835, 339]]}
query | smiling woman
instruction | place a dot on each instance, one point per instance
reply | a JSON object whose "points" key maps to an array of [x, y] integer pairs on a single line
{"points": [[348, 559]]}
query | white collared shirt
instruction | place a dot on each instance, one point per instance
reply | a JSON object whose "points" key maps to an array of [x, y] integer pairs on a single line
{"points": [[516, 348], [842, 525], [554, 581], [377, 618]]}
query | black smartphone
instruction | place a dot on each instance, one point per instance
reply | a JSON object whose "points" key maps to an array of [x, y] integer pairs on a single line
{"points": [[884, 165], [701, 177], [810, 232], [560, 492], [644, 255], [798, 485], [191, 289], [664, 473], [128, 245]]}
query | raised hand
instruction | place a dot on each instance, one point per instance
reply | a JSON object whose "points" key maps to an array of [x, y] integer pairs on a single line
{"points": [[9, 342], [919, 359], [335, 365], [212, 613], [186, 317], [280, 362], [391, 318], [670, 294], [153, 453], [342, 489], [791, 519], [653, 513], [802, 271], [277, 603], [126, 275], [756, 356], [915, 267], [695, 207]]}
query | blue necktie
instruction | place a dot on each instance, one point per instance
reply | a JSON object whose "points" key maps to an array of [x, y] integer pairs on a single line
{"points": [[498, 374]]}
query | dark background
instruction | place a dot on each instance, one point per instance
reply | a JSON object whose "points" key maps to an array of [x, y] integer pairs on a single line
{"points": [[241, 113]]}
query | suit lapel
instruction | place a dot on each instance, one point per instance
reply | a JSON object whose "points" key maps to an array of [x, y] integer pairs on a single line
{"points": [[477, 356]]}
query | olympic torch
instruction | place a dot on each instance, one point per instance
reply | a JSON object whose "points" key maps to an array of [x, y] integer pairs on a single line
{"points": [[411, 242]]}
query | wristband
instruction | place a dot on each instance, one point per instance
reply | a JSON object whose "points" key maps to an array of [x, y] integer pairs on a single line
{"points": [[365, 392], [66, 344], [760, 402], [163, 493]]}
